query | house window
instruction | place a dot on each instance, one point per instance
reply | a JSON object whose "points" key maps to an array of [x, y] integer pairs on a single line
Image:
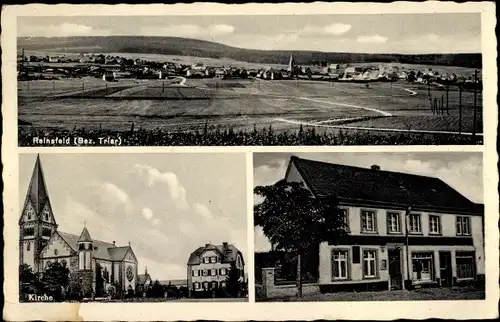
{"points": [[206, 260], [339, 264], [415, 224], [213, 259], [369, 263], [465, 265], [205, 272], [214, 285], [192, 272], [463, 226], [422, 266], [28, 247], [434, 224], [222, 284], [222, 271], [199, 272], [205, 285], [213, 272], [368, 221], [345, 218], [196, 286], [393, 222]]}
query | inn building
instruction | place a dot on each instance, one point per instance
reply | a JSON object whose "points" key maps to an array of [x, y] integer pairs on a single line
{"points": [[208, 267], [404, 230]]}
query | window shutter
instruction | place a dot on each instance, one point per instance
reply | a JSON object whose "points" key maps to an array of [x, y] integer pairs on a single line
{"points": [[356, 254]]}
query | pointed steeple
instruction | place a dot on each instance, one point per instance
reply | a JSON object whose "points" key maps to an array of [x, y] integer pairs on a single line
{"points": [[37, 190], [85, 236]]}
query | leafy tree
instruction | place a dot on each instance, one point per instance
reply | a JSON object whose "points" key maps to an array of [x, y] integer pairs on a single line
{"points": [[29, 282], [233, 284], [294, 220], [156, 290], [55, 279]]}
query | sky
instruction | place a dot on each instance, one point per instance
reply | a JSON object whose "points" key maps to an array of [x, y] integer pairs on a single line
{"points": [[376, 33], [166, 205], [463, 171]]}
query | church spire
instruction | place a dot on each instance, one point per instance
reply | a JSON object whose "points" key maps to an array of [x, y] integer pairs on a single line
{"points": [[85, 236], [37, 190]]}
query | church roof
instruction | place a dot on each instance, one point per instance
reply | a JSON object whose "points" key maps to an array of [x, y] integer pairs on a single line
{"points": [[102, 249], [85, 236], [374, 185], [37, 190], [143, 278], [227, 251]]}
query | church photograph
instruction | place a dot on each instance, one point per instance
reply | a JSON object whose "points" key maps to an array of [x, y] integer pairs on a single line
{"points": [[110, 227]]}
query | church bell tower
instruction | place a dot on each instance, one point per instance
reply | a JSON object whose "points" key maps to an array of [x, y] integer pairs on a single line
{"points": [[37, 223], [85, 260]]}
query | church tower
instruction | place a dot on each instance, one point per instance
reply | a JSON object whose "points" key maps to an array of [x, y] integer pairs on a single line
{"points": [[37, 223], [85, 259]]}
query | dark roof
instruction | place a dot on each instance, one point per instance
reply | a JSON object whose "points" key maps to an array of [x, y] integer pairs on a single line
{"points": [[102, 250], [350, 183], [227, 251], [181, 282], [37, 190], [142, 278], [85, 236]]}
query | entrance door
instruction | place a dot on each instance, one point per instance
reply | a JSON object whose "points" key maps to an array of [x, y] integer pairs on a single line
{"points": [[395, 269], [445, 268]]}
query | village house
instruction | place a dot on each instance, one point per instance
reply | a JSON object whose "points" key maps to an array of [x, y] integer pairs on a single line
{"points": [[404, 230], [209, 265]]}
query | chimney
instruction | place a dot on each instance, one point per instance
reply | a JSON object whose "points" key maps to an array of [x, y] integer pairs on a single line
{"points": [[114, 243], [375, 167], [224, 245], [206, 245]]}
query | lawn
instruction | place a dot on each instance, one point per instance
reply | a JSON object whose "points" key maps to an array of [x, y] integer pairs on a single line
{"points": [[424, 294]]}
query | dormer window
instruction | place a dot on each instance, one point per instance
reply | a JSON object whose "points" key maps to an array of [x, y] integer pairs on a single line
{"points": [[206, 260], [213, 259]]}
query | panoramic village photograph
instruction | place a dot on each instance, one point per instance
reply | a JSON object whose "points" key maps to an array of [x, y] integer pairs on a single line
{"points": [[344, 227], [269, 80], [132, 227]]}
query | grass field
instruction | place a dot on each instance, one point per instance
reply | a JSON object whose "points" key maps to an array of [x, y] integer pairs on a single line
{"points": [[186, 105]]}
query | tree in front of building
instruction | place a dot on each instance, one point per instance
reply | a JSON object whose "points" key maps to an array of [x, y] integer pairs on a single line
{"points": [[55, 280], [234, 286], [29, 281], [294, 220], [156, 290]]}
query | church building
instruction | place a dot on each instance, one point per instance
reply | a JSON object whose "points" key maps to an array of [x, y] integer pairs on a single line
{"points": [[95, 266]]}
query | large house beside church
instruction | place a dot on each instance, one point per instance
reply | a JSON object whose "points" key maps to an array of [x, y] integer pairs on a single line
{"points": [[208, 267], [94, 265], [403, 229]]}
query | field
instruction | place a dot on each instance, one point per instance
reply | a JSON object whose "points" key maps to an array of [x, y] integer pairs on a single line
{"points": [[180, 104]]}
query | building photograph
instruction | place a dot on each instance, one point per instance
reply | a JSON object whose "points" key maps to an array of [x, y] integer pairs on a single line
{"points": [[369, 226], [132, 227]]}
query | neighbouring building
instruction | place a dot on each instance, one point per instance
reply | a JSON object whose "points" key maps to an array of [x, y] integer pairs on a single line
{"points": [[94, 265], [209, 265], [404, 230], [144, 281]]}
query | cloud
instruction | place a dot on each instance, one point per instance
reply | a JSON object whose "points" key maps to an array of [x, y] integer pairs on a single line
{"points": [[377, 39], [203, 210], [118, 194], [61, 30], [147, 213], [153, 176], [335, 29], [221, 29]]}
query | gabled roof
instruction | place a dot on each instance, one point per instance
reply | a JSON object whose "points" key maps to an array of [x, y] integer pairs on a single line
{"points": [[37, 189], [228, 253], [102, 250], [143, 278], [350, 183]]}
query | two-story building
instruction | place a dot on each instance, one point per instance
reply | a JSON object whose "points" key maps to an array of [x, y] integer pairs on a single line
{"points": [[208, 267], [403, 229]]}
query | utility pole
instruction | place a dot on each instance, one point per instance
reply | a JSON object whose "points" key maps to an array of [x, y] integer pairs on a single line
{"points": [[475, 104], [460, 109], [407, 220]]}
